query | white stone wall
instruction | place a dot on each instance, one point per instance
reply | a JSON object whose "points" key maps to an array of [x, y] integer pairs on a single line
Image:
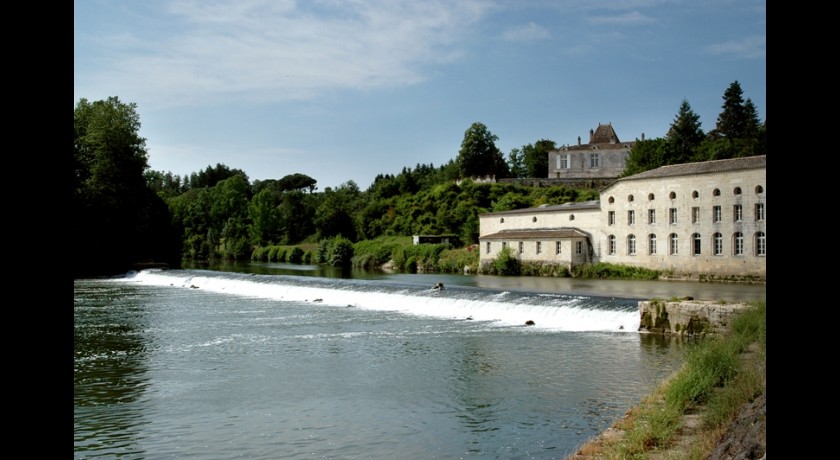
{"points": [[688, 192], [682, 193], [613, 161]]}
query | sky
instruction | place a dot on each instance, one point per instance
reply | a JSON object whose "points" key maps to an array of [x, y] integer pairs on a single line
{"points": [[346, 90]]}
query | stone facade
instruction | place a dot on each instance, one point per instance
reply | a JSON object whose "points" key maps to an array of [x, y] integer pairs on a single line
{"points": [[687, 317], [705, 220], [603, 157]]}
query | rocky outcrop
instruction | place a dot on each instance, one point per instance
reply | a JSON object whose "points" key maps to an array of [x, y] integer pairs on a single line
{"points": [[686, 317]]}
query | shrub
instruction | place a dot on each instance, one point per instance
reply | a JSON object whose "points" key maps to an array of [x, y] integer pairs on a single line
{"points": [[505, 263]]}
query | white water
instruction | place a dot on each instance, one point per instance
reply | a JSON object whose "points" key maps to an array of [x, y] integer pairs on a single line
{"points": [[499, 308]]}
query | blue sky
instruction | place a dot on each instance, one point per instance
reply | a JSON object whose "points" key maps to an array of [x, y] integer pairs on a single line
{"points": [[345, 90]]}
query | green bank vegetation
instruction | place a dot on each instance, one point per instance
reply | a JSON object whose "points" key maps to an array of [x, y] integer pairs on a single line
{"points": [[721, 374]]}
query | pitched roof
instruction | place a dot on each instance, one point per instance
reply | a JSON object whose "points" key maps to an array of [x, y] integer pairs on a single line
{"points": [[604, 134], [571, 206], [703, 167], [536, 233]]}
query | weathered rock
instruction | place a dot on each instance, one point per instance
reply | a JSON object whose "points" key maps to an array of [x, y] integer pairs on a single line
{"points": [[687, 317]]}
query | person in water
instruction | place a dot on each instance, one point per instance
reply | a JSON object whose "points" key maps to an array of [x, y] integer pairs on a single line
{"points": [[438, 286]]}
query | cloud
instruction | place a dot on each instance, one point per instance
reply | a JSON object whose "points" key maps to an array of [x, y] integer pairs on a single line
{"points": [[754, 47], [628, 19], [268, 51], [525, 33]]}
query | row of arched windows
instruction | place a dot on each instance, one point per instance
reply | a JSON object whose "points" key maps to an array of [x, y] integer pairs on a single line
{"points": [[736, 244], [695, 194]]}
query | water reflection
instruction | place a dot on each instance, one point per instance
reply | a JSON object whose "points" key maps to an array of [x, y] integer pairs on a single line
{"points": [[109, 368]]}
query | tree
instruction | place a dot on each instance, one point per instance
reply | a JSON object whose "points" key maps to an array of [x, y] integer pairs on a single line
{"points": [[685, 135], [535, 158], [118, 220], [297, 181], [732, 121], [516, 163], [479, 156], [645, 155]]}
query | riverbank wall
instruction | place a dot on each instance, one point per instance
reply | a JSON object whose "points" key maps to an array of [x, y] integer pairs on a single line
{"points": [[687, 316]]}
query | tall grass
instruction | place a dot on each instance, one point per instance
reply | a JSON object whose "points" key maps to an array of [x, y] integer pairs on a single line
{"points": [[720, 375]]}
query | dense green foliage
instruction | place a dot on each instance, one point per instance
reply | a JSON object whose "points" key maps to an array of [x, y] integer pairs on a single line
{"points": [[118, 221]]}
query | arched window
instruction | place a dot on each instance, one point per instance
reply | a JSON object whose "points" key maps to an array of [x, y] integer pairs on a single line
{"points": [[759, 189], [534, 219], [571, 217], [717, 242], [760, 244], [611, 244], [737, 190], [695, 244], [716, 192], [672, 195], [651, 197], [631, 245], [652, 244], [673, 244], [630, 198], [502, 220], [738, 244], [611, 200]]}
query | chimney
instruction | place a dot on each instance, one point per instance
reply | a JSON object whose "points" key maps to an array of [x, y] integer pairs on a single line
{"points": [[591, 134], [578, 140], [643, 136]]}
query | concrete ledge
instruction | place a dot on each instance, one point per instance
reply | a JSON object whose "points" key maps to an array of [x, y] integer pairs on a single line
{"points": [[686, 317]]}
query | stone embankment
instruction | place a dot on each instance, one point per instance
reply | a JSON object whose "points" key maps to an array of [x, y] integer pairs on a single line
{"points": [[686, 316]]}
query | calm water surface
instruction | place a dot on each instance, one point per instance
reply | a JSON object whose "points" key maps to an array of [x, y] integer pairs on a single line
{"points": [[268, 361]]}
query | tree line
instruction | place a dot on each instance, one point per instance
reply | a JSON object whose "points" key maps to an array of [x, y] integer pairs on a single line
{"points": [[125, 213]]}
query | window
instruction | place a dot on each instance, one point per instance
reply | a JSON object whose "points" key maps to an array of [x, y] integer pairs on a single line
{"points": [[651, 216], [631, 245], [759, 211], [718, 240], [502, 220], [539, 247], [579, 247], [716, 214], [716, 192], [674, 244], [672, 216], [612, 244], [652, 244], [759, 189], [557, 248], [611, 200], [563, 161], [696, 245], [521, 247], [571, 217], [738, 213], [488, 248], [650, 196], [760, 244], [739, 244], [631, 217], [534, 219], [695, 194], [737, 190], [611, 218], [594, 160], [695, 214], [672, 196], [630, 198]]}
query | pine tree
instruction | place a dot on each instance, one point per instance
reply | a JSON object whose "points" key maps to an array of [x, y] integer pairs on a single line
{"points": [[684, 135]]}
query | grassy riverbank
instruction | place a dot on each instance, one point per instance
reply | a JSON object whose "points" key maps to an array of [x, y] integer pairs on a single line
{"points": [[690, 414]]}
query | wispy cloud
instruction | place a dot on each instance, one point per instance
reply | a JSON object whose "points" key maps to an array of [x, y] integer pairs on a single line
{"points": [[525, 33], [631, 18], [751, 47], [282, 50]]}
